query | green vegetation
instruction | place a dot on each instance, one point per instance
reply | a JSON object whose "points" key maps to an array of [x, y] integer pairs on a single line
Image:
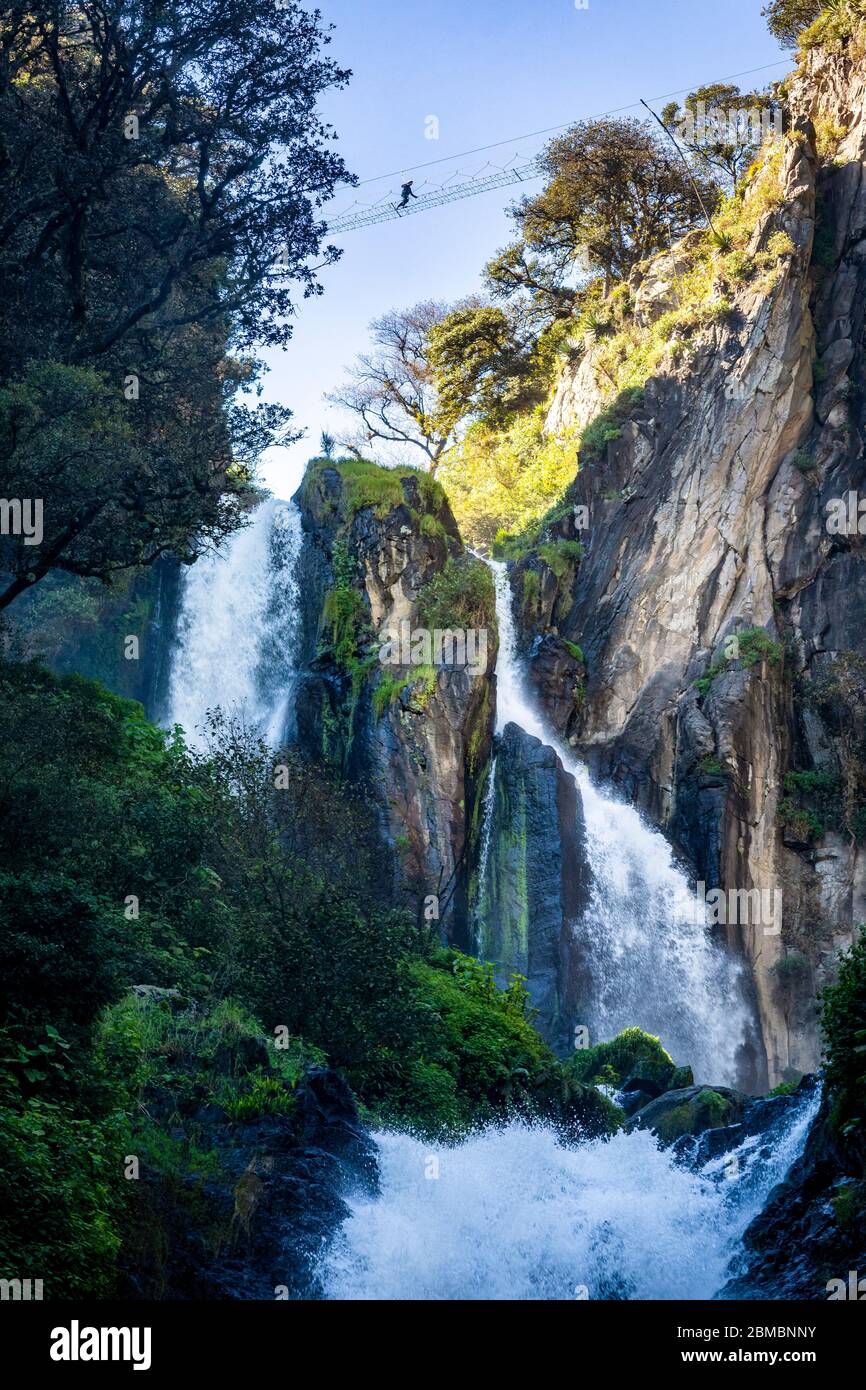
{"points": [[607, 426], [749, 646], [787, 19], [132, 312], [585, 214], [367, 484], [839, 23], [462, 595], [843, 1025], [477, 1057], [388, 690], [631, 1055], [244, 926], [561, 556], [813, 804], [507, 478], [573, 650]]}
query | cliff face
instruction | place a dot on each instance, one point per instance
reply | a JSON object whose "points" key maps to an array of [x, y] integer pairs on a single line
{"points": [[536, 884], [416, 733], [719, 619]]}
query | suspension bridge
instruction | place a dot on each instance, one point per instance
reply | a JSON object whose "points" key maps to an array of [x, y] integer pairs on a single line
{"points": [[467, 181], [489, 176]]}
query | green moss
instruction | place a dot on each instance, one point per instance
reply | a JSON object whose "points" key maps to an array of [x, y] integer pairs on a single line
{"points": [[368, 485], [531, 590], [573, 650], [480, 729], [707, 1110], [632, 1052], [388, 690]]}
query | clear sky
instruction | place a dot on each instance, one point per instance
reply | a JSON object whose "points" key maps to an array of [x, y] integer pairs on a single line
{"points": [[489, 70]]}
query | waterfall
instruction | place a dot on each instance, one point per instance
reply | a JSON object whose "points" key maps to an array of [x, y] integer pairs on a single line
{"points": [[650, 956], [513, 1214], [236, 629]]}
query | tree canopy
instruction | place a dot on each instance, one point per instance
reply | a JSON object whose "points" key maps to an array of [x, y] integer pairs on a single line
{"points": [[160, 174], [788, 18], [615, 194], [721, 128]]}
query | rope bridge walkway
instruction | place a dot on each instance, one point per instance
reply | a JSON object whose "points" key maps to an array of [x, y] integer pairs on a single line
{"points": [[489, 176]]}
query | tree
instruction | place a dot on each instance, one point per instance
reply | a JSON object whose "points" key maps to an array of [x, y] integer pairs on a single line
{"points": [[483, 364], [787, 19], [615, 195], [160, 172], [432, 369], [721, 127], [391, 391]]}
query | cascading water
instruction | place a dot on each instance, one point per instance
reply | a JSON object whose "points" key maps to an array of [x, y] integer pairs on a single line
{"points": [[651, 959], [513, 1214], [236, 631]]}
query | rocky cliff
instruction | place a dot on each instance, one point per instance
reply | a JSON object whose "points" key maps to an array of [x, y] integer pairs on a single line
{"points": [[536, 881], [717, 616], [382, 559]]}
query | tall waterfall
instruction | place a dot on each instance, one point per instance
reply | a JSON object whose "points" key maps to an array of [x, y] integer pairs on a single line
{"points": [[651, 959], [236, 631]]}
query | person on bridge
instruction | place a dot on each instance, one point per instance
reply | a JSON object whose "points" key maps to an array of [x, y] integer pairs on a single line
{"points": [[405, 194]]}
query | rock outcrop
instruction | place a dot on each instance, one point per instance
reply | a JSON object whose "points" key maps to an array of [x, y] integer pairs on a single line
{"points": [[256, 1228], [718, 618], [811, 1234], [536, 881], [416, 733]]}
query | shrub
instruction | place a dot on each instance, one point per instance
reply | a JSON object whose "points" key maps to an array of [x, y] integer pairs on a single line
{"points": [[613, 1063], [504, 481], [786, 19], [462, 595], [561, 555], [607, 426]]}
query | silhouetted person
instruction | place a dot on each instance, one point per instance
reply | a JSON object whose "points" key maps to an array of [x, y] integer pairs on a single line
{"points": [[405, 194]]}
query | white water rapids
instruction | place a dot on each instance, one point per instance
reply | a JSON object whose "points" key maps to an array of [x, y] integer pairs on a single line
{"points": [[513, 1214], [236, 628]]}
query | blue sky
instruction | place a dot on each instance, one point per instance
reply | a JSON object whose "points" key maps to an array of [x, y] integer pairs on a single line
{"points": [[489, 70]]}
